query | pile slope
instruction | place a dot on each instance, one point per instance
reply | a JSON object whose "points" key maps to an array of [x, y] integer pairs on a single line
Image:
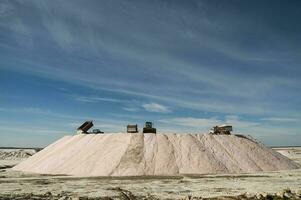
{"points": [[136, 154]]}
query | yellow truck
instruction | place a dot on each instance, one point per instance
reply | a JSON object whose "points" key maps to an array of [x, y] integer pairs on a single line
{"points": [[221, 130]]}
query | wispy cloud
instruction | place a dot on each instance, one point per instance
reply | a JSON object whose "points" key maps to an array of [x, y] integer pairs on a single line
{"points": [[155, 107], [6, 9], [26, 109], [204, 124], [196, 59], [281, 119], [200, 123], [34, 130], [236, 121], [131, 109], [94, 99], [164, 66]]}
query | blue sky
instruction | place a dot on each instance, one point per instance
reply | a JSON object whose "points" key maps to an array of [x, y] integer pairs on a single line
{"points": [[185, 65]]}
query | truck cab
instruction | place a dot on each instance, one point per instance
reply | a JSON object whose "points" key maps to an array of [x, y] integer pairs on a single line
{"points": [[148, 128]]}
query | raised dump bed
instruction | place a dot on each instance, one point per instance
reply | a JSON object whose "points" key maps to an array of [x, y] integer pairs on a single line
{"points": [[132, 128], [85, 127]]}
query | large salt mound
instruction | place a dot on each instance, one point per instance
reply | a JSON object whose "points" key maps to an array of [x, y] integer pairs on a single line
{"points": [[137, 154]]}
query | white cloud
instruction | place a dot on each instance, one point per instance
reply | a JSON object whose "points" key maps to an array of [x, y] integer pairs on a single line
{"points": [[130, 109], [31, 110], [34, 130], [205, 124], [155, 107], [237, 122], [89, 99], [192, 122], [219, 82], [280, 119], [6, 9]]}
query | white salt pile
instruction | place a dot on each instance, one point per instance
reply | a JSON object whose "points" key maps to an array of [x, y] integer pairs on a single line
{"points": [[286, 153], [15, 154], [11, 157], [137, 154]]}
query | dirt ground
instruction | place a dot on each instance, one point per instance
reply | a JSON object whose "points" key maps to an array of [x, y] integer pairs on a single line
{"points": [[17, 185]]}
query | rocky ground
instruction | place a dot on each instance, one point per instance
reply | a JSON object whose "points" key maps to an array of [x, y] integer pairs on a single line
{"points": [[272, 185], [127, 195]]}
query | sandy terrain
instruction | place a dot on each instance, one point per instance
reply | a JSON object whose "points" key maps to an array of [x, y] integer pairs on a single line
{"points": [[139, 154], [20, 185]]}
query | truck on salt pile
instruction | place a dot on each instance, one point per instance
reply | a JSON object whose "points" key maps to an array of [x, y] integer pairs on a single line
{"points": [[83, 129], [221, 130], [148, 128], [132, 128]]}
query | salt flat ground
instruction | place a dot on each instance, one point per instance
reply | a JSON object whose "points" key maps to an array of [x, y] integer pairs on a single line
{"points": [[12, 182]]}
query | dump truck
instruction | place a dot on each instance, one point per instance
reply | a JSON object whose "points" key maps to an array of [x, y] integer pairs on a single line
{"points": [[221, 130], [83, 129], [148, 128], [132, 128]]}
